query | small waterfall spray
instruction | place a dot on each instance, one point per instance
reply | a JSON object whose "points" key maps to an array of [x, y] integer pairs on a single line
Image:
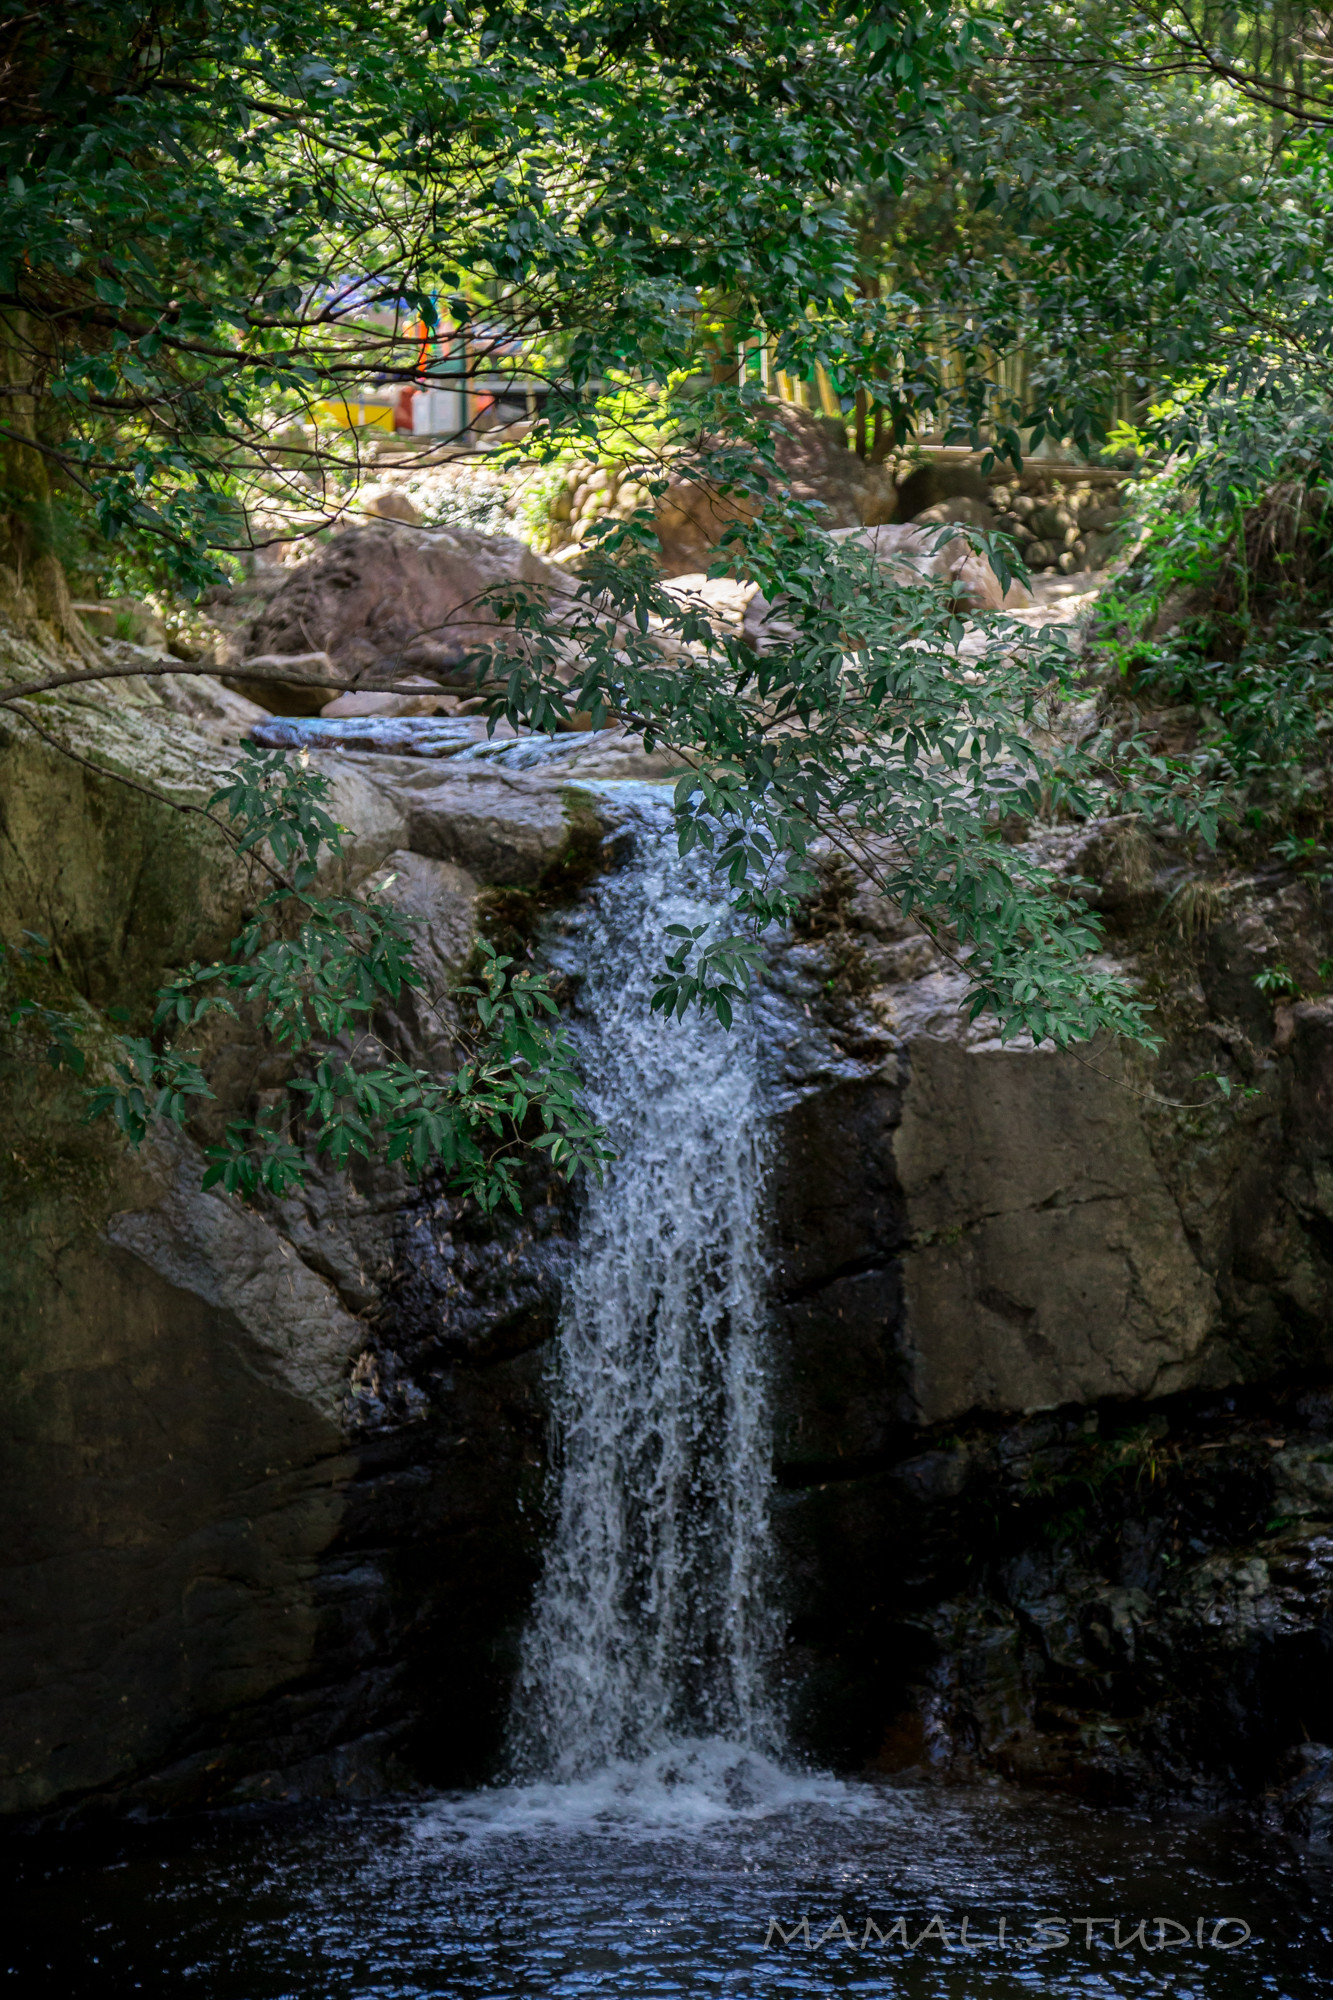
{"points": [[652, 1625]]}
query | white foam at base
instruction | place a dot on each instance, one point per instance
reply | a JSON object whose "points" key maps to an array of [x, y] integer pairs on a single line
{"points": [[683, 1787]]}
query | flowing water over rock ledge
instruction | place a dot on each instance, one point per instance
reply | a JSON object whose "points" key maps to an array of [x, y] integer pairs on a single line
{"points": [[655, 1616]]}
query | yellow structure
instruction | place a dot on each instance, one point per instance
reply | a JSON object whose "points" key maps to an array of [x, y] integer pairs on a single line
{"points": [[354, 416]]}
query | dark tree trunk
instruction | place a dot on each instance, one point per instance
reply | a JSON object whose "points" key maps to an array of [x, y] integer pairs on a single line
{"points": [[35, 586]]}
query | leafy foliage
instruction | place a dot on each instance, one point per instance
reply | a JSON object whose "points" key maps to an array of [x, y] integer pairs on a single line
{"points": [[992, 218], [149, 1084], [989, 219], [882, 717], [312, 968], [1225, 608], [211, 220]]}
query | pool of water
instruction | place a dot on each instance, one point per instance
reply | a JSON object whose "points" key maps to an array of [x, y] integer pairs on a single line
{"points": [[666, 1879]]}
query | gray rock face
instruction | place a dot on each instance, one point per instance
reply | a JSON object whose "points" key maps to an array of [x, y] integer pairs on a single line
{"points": [[1130, 1594], [1047, 1228], [240, 1439], [411, 598], [169, 1498], [1049, 1264], [501, 829]]}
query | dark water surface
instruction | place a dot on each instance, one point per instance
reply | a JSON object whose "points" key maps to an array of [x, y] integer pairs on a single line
{"points": [[663, 1881]]}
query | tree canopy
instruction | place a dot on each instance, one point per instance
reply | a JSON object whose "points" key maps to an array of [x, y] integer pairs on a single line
{"points": [[990, 222], [214, 214]]}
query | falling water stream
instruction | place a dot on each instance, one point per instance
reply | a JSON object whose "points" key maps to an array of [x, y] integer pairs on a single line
{"points": [[654, 1623], [652, 1826]]}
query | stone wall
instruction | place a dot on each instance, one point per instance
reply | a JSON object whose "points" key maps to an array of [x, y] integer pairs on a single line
{"points": [[1025, 1298]]}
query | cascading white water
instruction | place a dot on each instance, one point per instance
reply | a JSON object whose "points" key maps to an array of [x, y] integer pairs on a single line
{"points": [[652, 1625]]}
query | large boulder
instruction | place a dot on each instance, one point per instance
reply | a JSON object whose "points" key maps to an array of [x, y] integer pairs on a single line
{"points": [[382, 602], [926, 549], [1049, 1263], [1053, 1340], [968, 1227]]}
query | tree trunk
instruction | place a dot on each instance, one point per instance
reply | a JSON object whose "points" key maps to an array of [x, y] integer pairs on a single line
{"points": [[34, 588]]}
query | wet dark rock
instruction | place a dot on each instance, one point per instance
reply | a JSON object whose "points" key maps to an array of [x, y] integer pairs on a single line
{"points": [[500, 829], [1303, 1805], [1142, 1613], [1054, 1493]]}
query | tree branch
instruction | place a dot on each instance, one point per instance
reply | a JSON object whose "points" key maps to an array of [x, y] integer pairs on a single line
{"points": [[239, 671]]}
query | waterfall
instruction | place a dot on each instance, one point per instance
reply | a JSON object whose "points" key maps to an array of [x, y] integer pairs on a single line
{"points": [[652, 1625]]}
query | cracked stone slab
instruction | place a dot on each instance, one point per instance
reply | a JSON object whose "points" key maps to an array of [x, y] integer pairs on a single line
{"points": [[500, 828], [1049, 1263], [234, 1259]]}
